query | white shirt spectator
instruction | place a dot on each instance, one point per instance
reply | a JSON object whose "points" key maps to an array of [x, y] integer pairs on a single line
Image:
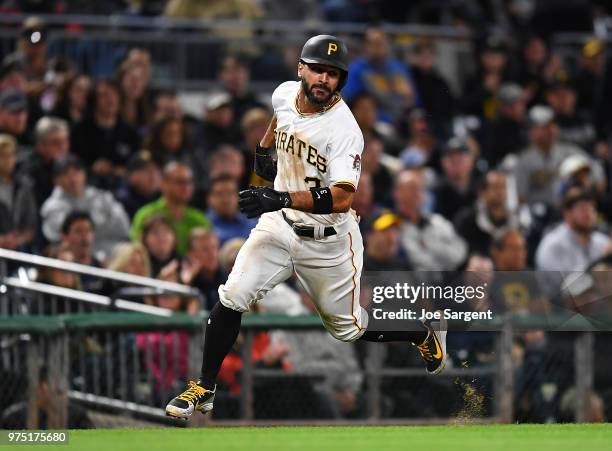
{"points": [[110, 220], [433, 244], [559, 250]]}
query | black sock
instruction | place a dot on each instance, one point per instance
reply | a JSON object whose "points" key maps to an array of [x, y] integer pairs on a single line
{"points": [[414, 336], [221, 331]]}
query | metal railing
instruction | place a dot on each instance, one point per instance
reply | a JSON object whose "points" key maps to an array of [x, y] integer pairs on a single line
{"points": [[121, 378], [164, 24], [80, 300], [186, 53], [133, 363]]}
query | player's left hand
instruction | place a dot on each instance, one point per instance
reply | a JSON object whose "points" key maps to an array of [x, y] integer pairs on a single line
{"points": [[258, 200]]}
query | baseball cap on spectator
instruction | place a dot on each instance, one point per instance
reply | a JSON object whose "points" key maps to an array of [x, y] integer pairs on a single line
{"points": [[218, 100], [382, 221], [34, 30], [574, 195], [139, 160], [573, 164], [63, 164], [13, 101], [592, 48], [510, 93], [455, 144], [495, 44], [540, 115]]}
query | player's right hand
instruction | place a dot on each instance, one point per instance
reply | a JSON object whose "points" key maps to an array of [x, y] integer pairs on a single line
{"points": [[258, 200]]}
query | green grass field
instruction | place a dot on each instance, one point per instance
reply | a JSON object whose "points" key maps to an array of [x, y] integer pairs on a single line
{"points": [[418, 438]]}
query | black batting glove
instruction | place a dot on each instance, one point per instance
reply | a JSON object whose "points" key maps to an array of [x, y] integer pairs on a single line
{"points": [[259, 200], [265, 165]]}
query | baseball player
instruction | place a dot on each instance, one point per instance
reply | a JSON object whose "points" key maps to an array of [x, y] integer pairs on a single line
{"points": [[306, 224]]}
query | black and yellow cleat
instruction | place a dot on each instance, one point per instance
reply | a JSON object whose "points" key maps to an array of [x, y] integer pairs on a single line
{"points": [[433, 348], [194, 398]]}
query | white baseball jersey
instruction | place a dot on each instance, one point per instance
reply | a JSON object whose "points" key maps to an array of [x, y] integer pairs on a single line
{"points": [[315, 150], [322, 150]]}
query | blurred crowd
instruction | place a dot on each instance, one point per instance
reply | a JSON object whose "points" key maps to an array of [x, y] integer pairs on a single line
{"points": [[511, 173]]}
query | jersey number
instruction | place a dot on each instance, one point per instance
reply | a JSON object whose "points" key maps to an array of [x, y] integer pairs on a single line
{"points": [[316, 182]]}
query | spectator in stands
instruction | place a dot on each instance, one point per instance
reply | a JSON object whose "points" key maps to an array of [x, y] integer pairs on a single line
{"points": [[141, 184], [537, 168], [363, 202], [507, 133], [78, 236], [217, 127], [211, 10], [430, 241], [419, 150], [60, 68], [514, 287], [575, 243], [52, 144], [166, 104], [159, 238], [12, 75], [141, 57], [363, 107], [32, 53], [481, 222], [480, 91], [14, 115], [167, 352], [135, 110], [227, 221], [575, 170], [381, 176], [201, 267], [71, 192], [18, 210], [235, 77], [434, 92], [130, 258], [170, 371], [457, 187], [377, 73], [589, 79], [574, 127], [167, 142], [254, 125], [58, 278], [48, 304], [103, 140], [537, 68], [509, 251], [71, 98], [177, 191], [382, 252], [229, 160]]}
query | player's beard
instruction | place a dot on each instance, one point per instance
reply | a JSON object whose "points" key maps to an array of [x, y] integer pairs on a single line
{"points": [[312, 98]]}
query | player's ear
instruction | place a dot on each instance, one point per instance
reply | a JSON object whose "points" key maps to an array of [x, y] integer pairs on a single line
{"points": [[300, 69]]}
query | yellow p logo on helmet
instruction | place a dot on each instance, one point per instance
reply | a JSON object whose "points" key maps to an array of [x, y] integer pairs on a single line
{"points": [[332, 47]]}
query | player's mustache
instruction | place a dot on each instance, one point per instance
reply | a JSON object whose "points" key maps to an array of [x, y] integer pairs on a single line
{"points": [[321, 87]]}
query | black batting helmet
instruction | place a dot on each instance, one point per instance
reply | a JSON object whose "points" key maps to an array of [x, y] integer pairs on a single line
{"points": [[328, 50]]}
